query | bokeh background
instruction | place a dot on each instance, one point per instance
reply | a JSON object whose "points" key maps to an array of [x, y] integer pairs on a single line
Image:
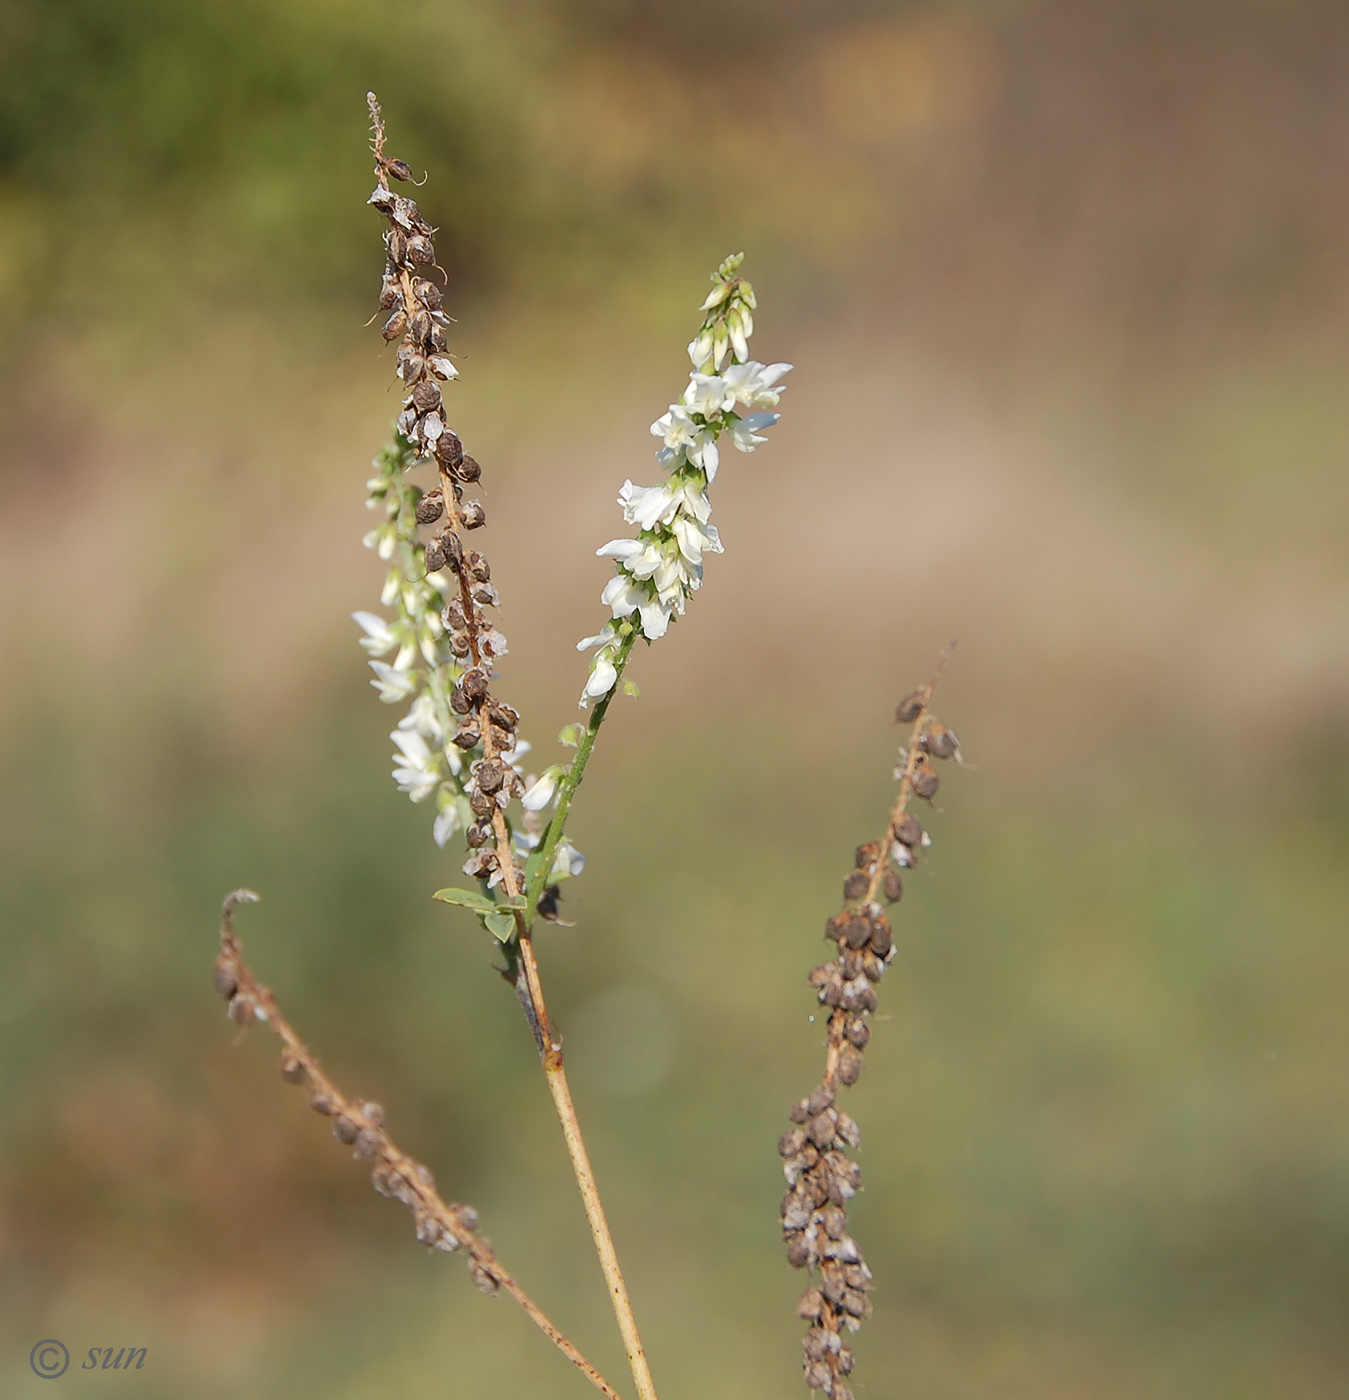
{"points": [[1067, 288]]}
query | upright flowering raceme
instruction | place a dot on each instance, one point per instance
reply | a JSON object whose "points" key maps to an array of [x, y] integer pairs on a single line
{"points": [[726, 398]]}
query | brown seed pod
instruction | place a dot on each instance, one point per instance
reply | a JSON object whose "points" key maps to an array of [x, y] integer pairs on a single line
{"points": [[798, 1252], [811, 1305], [857, 931], [849, 1065], [395, 325], [419, 327], [321, 1103], [242, 1011], [420, 251], [468, 469], [427, 293], [941, 743], [909, 831], [345, 1129], [873, 968], [292, 1068], [791, 1142], [835, 1222], [868, 854], [476, 566], [815, 1344], [821, 1128], [821, 1097], [435, 555], [892, 886], [821, 976], [925, 780], [882, 937], [465, 737], [449, 450], [459, 701], [397, 244], [430, 508], [833, 1287], [367, 1143], [818, 1375], [910, 707], [856, 885], [858, 1032], [483, 803], [473, 515], [390, 292], [800, 1111], [478, 834], [399, 169], [861, 998], [474, 684], [848, 1131], [426, 396], [491, 775], [411, 362], [226, 983], [850, 964]]}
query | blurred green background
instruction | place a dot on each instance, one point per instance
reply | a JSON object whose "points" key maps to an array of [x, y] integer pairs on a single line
{"points": [[1066, 286]]}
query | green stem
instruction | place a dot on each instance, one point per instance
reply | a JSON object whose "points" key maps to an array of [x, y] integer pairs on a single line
{"points": [[571, 781]]}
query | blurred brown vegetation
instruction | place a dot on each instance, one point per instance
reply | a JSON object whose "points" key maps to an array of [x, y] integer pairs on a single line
{"points": [[1065, 286]]}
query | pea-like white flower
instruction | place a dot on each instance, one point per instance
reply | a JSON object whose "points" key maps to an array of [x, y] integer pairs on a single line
{"points": [[600, 681], [543, 790], [417, 772], [393, 685], [752, 385], [379, 637]]}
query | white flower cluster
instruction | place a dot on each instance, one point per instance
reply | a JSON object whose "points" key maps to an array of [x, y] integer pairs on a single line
{"points": [[423, 669], [727, 394]]}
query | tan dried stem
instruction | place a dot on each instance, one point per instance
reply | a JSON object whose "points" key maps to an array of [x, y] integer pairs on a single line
{"points": [[529, 983], [443, 1224]]}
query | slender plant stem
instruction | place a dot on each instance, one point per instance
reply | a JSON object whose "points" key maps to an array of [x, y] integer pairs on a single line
{"points": [[530, 985]]}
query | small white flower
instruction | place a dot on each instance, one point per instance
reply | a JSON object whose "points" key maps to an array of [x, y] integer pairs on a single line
{"points": [[601, 638], [744, 433], [422, 719], [695, 539], [753, 385], [392, 685], [655, 617], [707, 394], [543, 791], [622, 595], [379, 637], [567, 861], [418, 773], [645, 506], [619, 549], [446, 824], [600, 681]]}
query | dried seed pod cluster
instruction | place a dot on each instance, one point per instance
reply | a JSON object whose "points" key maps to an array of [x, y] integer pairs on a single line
{"points": [[821, 1176], [482, 779]]}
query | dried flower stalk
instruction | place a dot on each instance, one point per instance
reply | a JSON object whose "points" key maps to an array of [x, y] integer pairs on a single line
{"points": [[487, 726], [821, 1176], [440, 1224]]}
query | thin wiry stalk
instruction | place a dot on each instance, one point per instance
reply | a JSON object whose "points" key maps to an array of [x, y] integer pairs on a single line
{"points": [[441, 1224]]}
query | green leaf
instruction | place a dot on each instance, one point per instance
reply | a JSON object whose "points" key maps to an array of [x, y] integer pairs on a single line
{"points": [[630, 688], [466, 899], [570, 737], [500, 925]]}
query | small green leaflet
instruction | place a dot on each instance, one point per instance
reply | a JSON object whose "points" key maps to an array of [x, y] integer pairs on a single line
{"points": [[630, 688], [497, 915], [570, 737]]}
